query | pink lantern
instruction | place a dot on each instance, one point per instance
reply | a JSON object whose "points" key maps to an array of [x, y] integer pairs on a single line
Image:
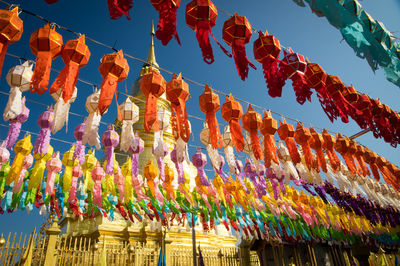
{"points": [[26, 164], [4, 154], [110, 140], [97, 175], [76, 173], [45, 122], [53, 166]]}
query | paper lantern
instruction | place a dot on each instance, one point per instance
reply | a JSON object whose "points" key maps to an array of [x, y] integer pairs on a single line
{"points": [[232, 112], [166, 28], [79, 151], [252, 123], [150, 173], [11, 30], [236, 32], [91, 135], [359, 155], [119, 8], [201, 16], [370, 158], [209, 104], [328, 144], [135, 150], [37, 172], [75, 55], [316, 143], [4, 154], [97, 175], [199, 160], [53, 166], [228, 150], [113, 69], [266, 51], [130, 115], [178, 93], [303, 137], [27, 163], [342, 146], [46, 44], [45, 123], [268, 128], [18, 78], [286, 133], [76, 173], [294, 66], [61, 110], [69, 163], [110, 140], [22, 148], [15, 125], [152, 85]]}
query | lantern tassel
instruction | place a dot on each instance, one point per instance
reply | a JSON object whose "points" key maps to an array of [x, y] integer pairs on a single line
{"points": [[274, 77], [91, 135], [363, 166], [321, 160], [150, 117], [110, 160], [61, 114], [51, 176], [108, 88], [333, 159], [14, 104], [3, 48], [327, 104], [269, 150], [41, 73], [79, 152], [203, 30], [118, 8], [67, 179], [292, 148], [97, 197], [183, 122], [241, 60], [308, 155], [166, 28], [42, 141], [13, 133], [236, 135], [66, 80], [16, 168], [215, 134], [255, 145], [301, 88]]}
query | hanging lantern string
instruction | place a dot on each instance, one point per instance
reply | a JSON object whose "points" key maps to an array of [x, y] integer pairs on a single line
{"points": [[160, 68]]}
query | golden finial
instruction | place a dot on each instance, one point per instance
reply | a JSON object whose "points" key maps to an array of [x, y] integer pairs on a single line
{"points": [[151, 57]]}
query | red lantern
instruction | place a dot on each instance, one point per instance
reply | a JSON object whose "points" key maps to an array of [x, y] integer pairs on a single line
{"points": [[46, 44], [294, 66], [113, 68], [119, 8], [178, 94], [201, 16], [153, 86], [209, 104], [236, 32], [286, 133], [302, 136], [317, 143], [268, 128], [166, 28], [328, 144], [266, 51], [252, 123], [10, 31], [232, 112], [75, 55]]}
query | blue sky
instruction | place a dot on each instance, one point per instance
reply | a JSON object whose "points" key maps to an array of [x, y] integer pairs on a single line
{"points": [[294, 26]]}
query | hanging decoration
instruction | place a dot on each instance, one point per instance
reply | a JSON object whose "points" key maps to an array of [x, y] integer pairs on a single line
{"points": [[328, 145], [201, 16], [150, 173], [69, 163], [18, 78], [236, 32], [268, 129], [91, 134], [266, 50], [303, 137], [45, 123], [46, 44], [113, 69], [11, 30], [152, 85], [61, 110], [209, 104], [286, 133], [4, 154], [212, 152], [178, 93], [15, 125], [22, 148], [27, 163], [97, 176], [119, 8], [199, 160], [110, 140], [53, 166], [252, 123], [39, 167], [317, 143], [166, 28], [232, 112], [130, 115], [79, 151], [75, 55], [228, 150], [178, 161]]}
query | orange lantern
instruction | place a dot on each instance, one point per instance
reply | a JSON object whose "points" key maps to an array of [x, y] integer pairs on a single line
{"points": [[266, 51], [10, 31], [303, 137], [352, 152], [46, 44], [317, 142], [286, 133], [153, 86], [201, 16], [268, 128], [387, 175], [370, 158], [113, 68], [360, 159], [342, 146], [166, 28], [328, 144], [236, 32], [232, 112], [209, 104], [252, 123], [75, 55], [178, 94]]}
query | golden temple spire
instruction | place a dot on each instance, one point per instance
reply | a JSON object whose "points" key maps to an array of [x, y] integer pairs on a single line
{"points": [[151, 57]]}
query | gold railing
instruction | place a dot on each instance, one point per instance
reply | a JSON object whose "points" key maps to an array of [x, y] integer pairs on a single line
{"points": [[69, 250]]}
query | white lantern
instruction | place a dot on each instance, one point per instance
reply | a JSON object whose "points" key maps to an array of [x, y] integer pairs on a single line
{"points": [[228, 150], [61, 110], [130, 115], [91, 135]]}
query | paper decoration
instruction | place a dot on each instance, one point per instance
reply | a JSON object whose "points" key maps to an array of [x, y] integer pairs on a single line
{"points": [[252, 123], [199, 160], [232, 112], [119, 8], [37, 172], [15, 125], [209, 104], [166, 28], [53, 166], [79, 151], [45, 123], [91, 135], [110, 140], [22, 148], [61, 110], [130, 115]]}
